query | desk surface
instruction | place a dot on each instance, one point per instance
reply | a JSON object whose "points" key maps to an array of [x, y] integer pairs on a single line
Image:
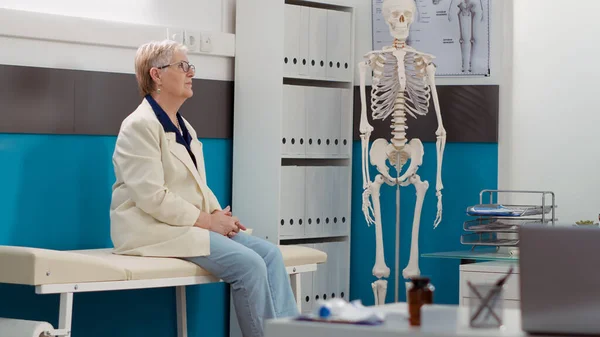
{"points": [[436, 321]]}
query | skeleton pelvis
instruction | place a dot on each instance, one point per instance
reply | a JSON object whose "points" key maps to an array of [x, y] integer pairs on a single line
{"points": [[383, 151], [394, 154]]}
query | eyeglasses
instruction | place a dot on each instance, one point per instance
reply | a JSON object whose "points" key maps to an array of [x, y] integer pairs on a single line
{"points": [[183, 65]]}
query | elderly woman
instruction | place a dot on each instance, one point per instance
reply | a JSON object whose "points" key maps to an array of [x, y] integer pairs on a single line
{"points": [[161, 203]]}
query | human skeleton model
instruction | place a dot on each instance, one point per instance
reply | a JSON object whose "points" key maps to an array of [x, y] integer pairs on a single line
{"points": [[466, 17], [403, 82]]}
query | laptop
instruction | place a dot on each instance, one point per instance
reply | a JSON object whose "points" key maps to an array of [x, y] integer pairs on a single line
{"points": [[560, 279]]}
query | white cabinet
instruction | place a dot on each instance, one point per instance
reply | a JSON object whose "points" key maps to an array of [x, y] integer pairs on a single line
{"points": [[293, 122], [490, 272], [330, 280], [318, 41], [292, 132]]}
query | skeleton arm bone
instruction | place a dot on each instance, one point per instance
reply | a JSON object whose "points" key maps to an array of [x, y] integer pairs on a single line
{"points": [[365, 128], [441, 140], [365, 134]]}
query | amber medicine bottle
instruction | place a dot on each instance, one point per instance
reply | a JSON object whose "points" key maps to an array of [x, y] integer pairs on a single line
{"points": [[420, 292]]}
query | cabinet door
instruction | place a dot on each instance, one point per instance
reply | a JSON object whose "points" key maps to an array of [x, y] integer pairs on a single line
{"points": [[330, 120], [341, 200], [334, 44], [345, 70], [343, 261], [291, 219], [304, 45], [293, 124], [313, 213], [346, 114], [291, 51], [306, 281], [339, 35], [328, 200], [317, 40], [286, 194]]}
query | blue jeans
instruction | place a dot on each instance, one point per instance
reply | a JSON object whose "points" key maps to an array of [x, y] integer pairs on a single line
{"points": [[255, 270]]}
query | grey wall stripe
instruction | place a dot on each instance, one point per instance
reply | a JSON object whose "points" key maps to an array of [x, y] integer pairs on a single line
{"points": [[36, 100], [102, 101], [469, 113], [211, 109], [58, 101]]}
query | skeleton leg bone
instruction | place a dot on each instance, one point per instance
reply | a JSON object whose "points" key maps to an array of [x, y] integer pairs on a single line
{"points": [[472, 40], [379, 291], [382, 291], [412, 269], [374, 286], [462, 40], [380, 269]]}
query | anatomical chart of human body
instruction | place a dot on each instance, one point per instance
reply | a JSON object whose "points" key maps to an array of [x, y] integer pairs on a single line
{"points": [[456, 31]]}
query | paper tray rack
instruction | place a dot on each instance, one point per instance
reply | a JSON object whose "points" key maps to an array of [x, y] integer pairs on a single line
{"points": [[502, 230], [538, 212]]}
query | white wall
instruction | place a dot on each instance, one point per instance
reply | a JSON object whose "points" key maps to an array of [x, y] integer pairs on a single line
{"points": [[204, 15], [551, 140], [213, 15]]}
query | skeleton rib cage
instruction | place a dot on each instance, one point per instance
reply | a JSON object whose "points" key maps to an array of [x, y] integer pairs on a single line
{"points": [[386, 85]]}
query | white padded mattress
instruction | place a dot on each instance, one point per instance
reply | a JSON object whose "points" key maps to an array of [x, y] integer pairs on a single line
{"points": [[35, 266]]}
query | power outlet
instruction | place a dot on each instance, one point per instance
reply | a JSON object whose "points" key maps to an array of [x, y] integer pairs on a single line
{"points": [[206, 45], [192, 40]]}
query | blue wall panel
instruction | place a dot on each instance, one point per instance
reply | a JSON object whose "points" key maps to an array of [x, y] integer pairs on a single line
{"points": [[56, 194], [467, 169]]}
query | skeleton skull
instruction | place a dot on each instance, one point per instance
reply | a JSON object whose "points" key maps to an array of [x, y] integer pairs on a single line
{"points": [[399, 15]]}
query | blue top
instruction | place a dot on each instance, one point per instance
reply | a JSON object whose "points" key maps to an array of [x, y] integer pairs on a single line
{"points": [[168, 126]]}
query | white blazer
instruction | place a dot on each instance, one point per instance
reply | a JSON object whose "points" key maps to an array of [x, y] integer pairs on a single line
{"points": [[158, 193]]}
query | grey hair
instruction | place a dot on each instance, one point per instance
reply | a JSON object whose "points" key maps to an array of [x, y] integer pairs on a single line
{"points": [[153, 54]]}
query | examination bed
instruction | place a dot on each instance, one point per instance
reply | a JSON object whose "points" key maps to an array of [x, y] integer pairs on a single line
{"points": [[74, 271]]}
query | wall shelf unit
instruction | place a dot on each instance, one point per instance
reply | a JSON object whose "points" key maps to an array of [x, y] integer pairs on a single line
{"points": [[292, 137]]}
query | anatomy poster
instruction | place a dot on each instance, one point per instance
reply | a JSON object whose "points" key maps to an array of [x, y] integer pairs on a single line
{"points": [[439, 28]]}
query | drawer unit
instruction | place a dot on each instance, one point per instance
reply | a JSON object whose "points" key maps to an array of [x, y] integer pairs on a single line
{"points": [[490, 272]]}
